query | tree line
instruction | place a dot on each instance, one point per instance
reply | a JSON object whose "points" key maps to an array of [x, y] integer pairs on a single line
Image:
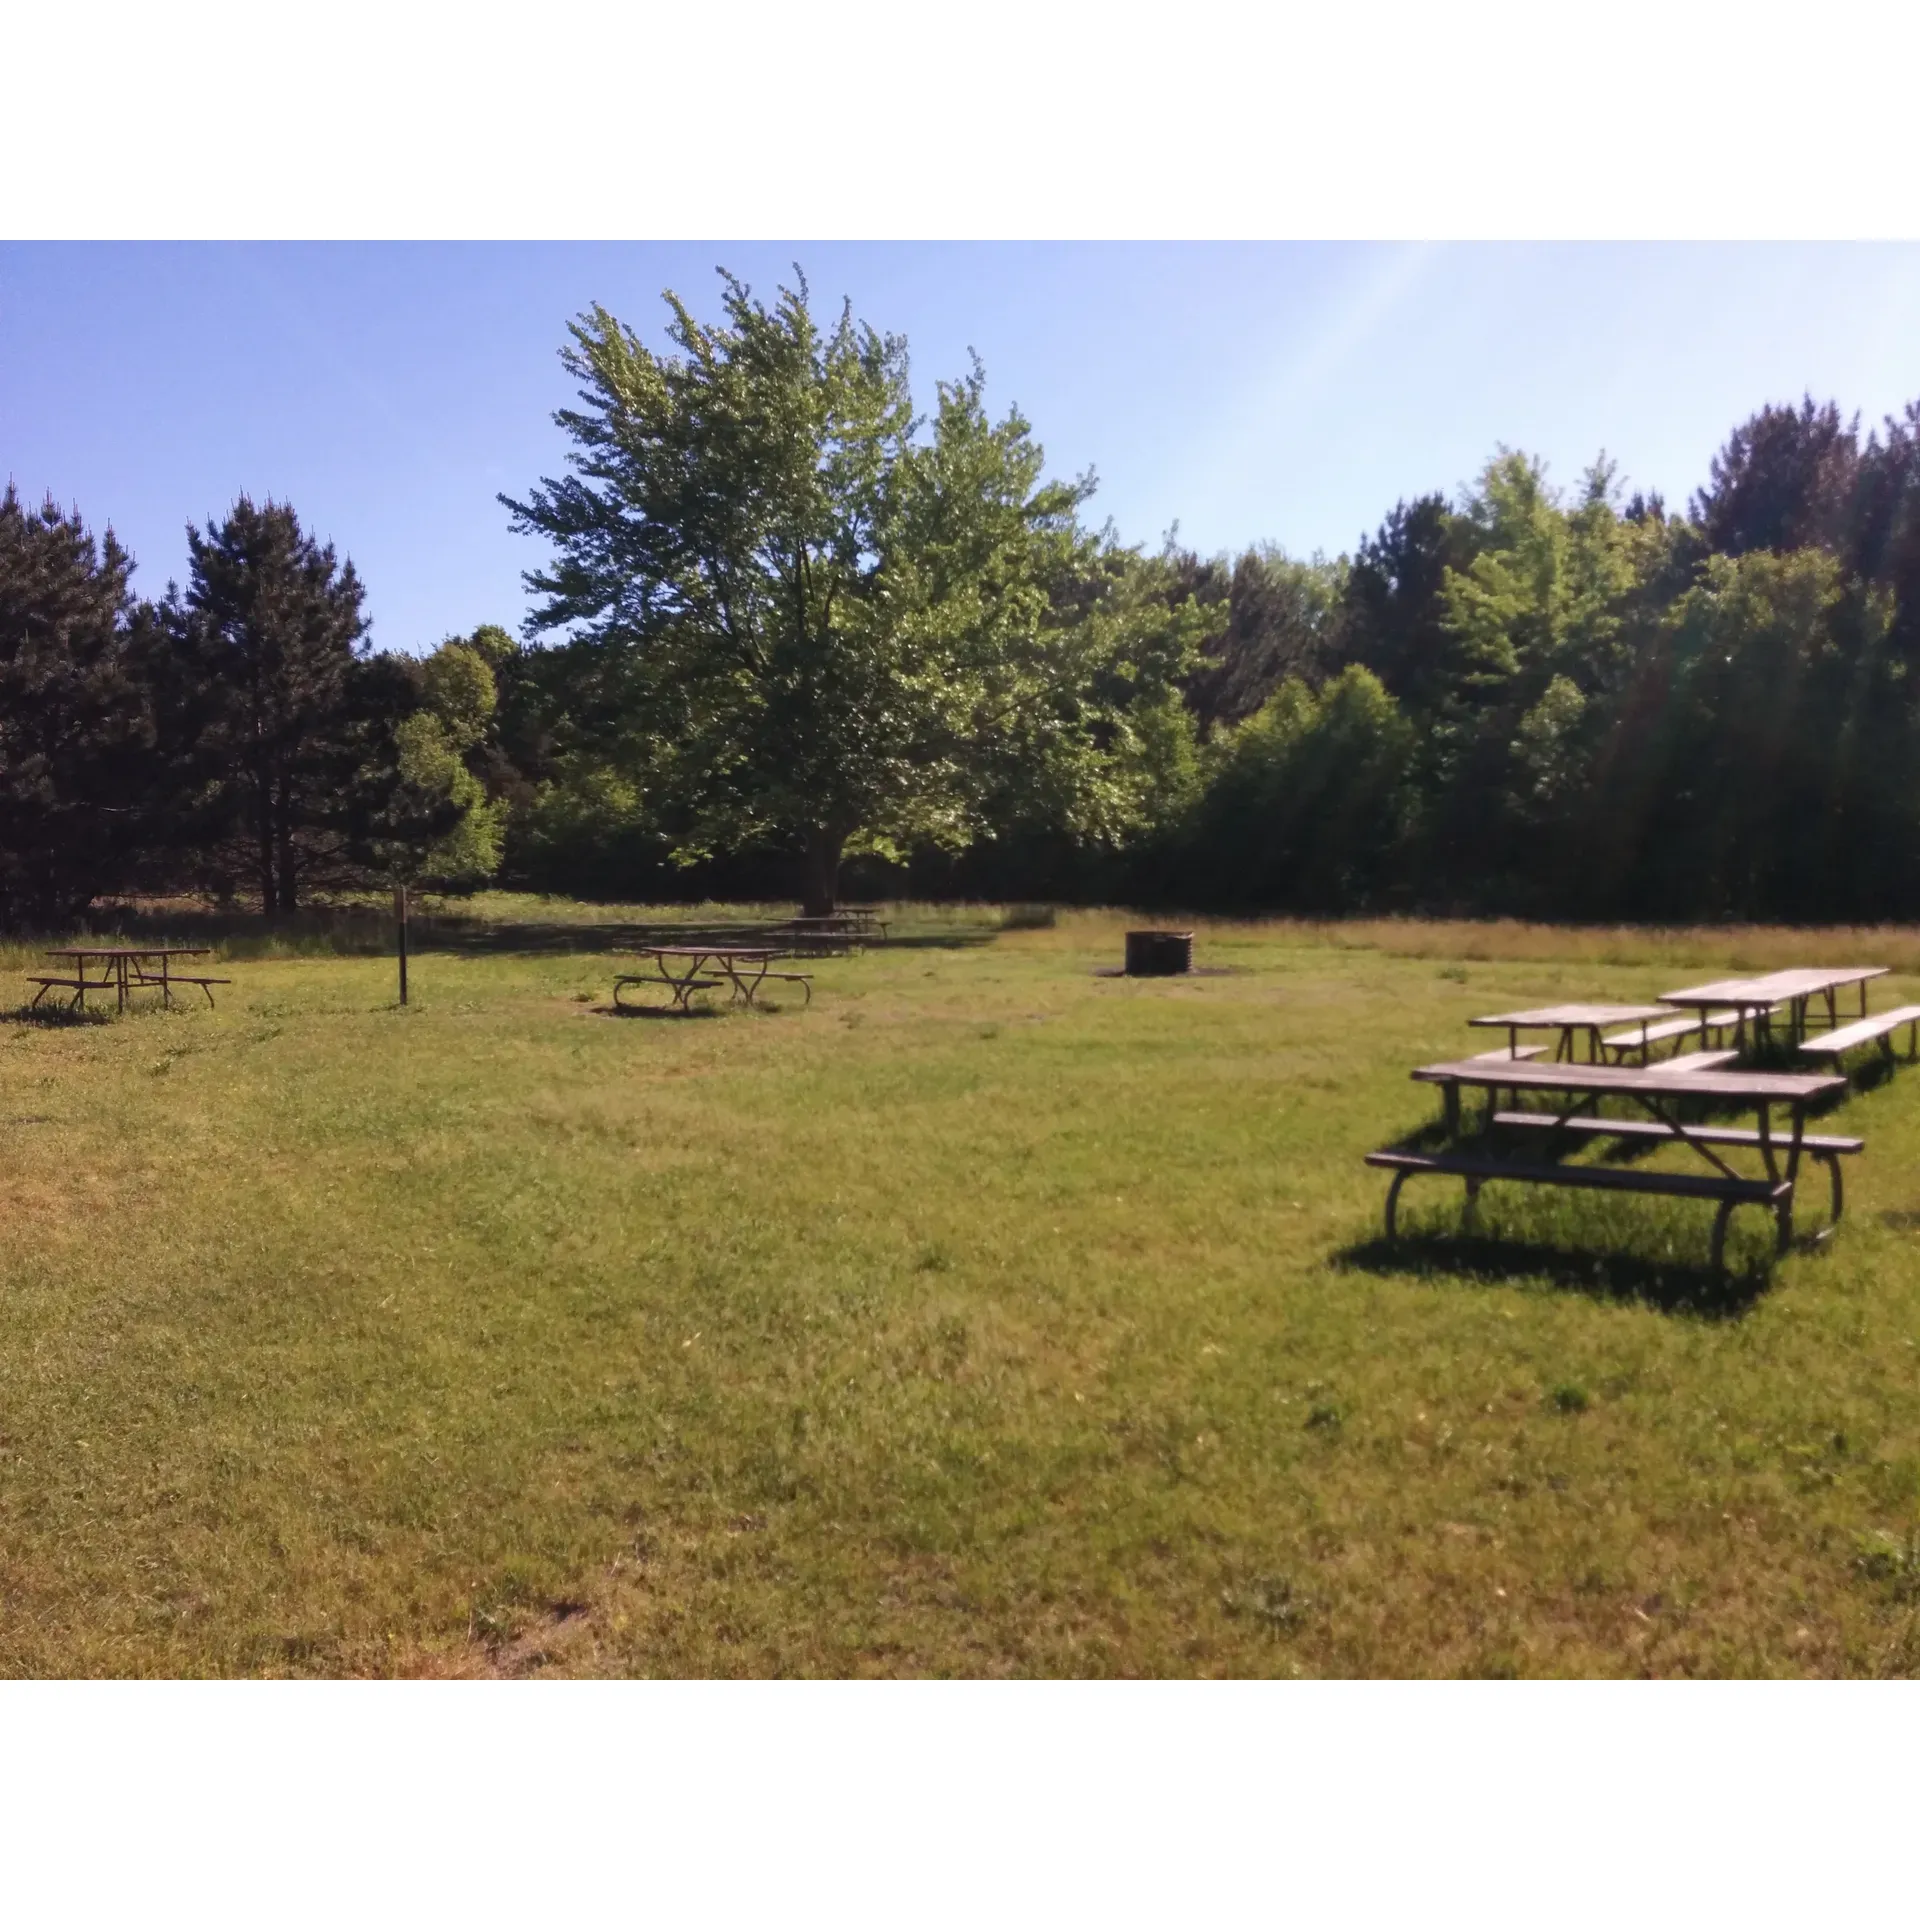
{"points": [[235, 739], [792, 636]]}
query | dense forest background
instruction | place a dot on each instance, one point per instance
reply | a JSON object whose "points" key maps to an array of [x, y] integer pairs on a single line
{"points": [[1528, 700]]}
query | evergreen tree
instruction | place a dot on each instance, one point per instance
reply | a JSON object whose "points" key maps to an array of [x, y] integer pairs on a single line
{"points": [[1785, 479], [287, 738], [78, 770], [1279, 624], [1393, 610]]}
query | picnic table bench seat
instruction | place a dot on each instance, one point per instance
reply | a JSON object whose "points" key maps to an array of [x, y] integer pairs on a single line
{"points": [[79, 988], [1825, 1147], [681, 987], [206, 982], [1477, 1169], [1878, 1026], [802, 980], [1510, 1053], [1637, 1039], [1702, 1062]]}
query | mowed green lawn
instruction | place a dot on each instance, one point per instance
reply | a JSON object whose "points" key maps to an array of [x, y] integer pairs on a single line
{"points": [[989, 1317]]}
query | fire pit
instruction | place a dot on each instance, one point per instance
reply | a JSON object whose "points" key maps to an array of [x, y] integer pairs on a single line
{"points": [[1156, 952]]}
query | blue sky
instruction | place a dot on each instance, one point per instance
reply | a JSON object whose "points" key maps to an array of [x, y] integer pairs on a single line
{"points": [[1278, 391]]}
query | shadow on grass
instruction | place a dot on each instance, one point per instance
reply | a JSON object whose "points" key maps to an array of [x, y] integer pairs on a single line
{"points": [[457, 933], [360, 930], [1671, 1286], [656, 1013], [49, 1015], [773, 1009]]}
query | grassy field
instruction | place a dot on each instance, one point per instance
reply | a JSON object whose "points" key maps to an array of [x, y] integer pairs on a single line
{"points": [[988, 1317]]}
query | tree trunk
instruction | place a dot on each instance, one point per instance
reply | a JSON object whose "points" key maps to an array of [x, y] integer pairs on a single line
{"points": [[820, 872], [289, 875], [269, 892]]}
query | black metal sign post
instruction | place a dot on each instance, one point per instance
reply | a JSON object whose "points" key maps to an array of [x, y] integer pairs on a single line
{"points": [[400, 923]]}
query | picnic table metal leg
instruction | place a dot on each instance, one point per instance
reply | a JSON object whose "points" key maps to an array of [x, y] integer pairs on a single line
{"points": [[1720, 1219], [1793, 1175], [1469, 1213], [679, 985], [1393, 1200]]}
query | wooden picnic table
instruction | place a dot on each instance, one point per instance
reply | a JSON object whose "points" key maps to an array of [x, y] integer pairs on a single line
{"points": [[1758, 999], [1579, 1016], [846, 924], [686, 970], [122, 969], [1657, 1092]]}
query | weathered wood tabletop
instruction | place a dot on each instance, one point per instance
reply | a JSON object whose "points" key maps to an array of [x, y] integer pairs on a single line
{"points": [[1579, 1016], [1555, 1076], [1759, 998]]}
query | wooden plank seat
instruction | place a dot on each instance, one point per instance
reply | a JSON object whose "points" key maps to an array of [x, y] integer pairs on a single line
{"points": [[46, 982], [206, 982], [1879, 1026], [1826, 1147], [804, 980], [1698, 1062], [1477, 1169], [1510, 1053], [745, 985], [1638, 1040], [681, 988]]}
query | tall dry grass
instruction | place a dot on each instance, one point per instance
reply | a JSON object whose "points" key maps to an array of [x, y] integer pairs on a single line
{"points": [[1719, 949]]}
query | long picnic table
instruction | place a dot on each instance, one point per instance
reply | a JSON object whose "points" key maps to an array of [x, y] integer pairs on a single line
{"points": [[121, 970], [843, 929], [1657, 1092], [1578, 1017], [1760, 998], [687, 970]]}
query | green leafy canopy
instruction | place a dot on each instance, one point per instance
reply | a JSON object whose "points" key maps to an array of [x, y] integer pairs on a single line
{"points": [[832, 622]]}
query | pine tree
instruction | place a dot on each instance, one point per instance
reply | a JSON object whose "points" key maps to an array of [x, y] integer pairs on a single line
{"points": [[283, 727], [77, 759]]}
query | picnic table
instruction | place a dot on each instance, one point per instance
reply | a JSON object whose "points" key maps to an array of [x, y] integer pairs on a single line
{"points": [[1578, 1017], [846, 926], [121, 970], [687, 970], [1658, 1093], [1760, 998]]}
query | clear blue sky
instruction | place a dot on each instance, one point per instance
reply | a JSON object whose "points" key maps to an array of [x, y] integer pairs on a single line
{"points": [[1276, 391]]}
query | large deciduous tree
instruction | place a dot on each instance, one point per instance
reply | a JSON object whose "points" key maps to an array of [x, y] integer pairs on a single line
{"points": [[822, 623]]}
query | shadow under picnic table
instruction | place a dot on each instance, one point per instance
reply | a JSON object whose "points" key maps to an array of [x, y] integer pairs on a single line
{"points": [[1672, 1286], [435, 934]]}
